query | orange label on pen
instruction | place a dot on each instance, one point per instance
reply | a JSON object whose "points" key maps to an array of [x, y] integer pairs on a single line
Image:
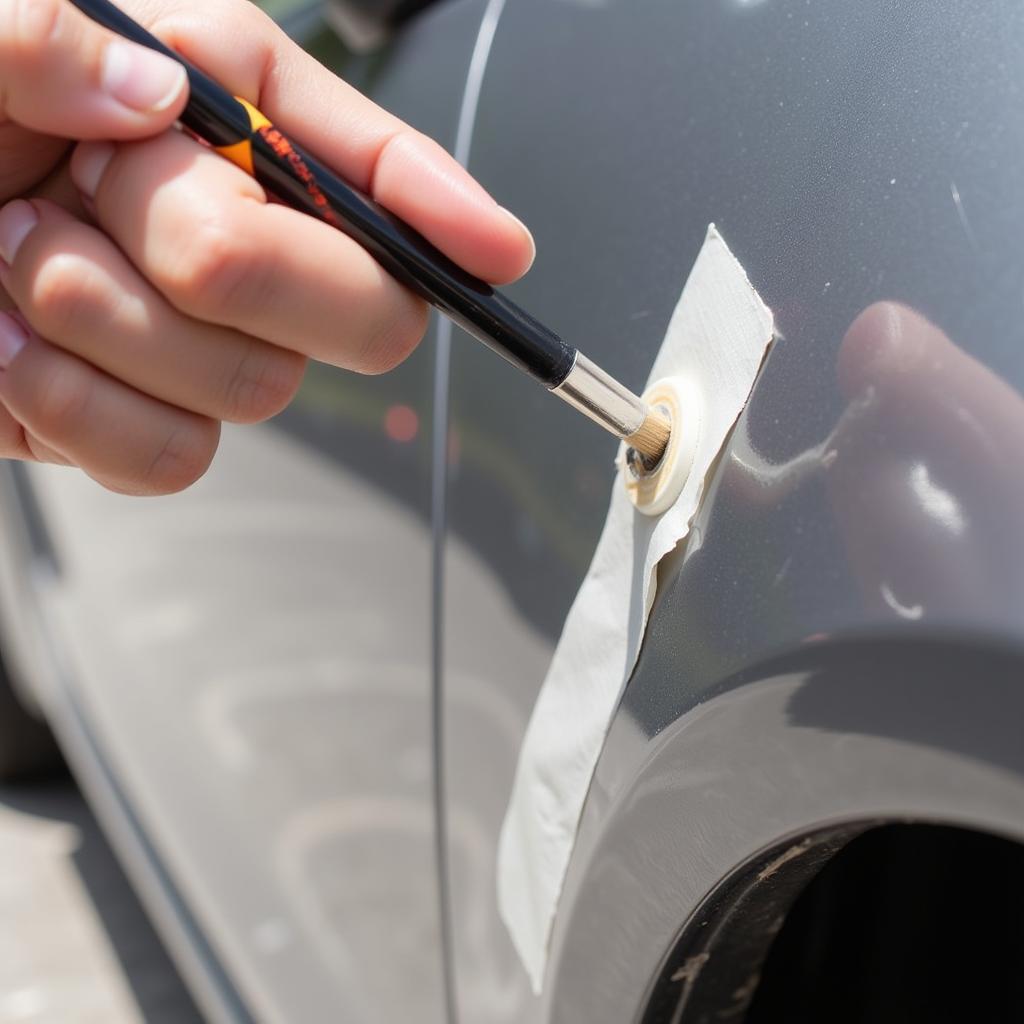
{"points": [[240, 153], [317, 203]]}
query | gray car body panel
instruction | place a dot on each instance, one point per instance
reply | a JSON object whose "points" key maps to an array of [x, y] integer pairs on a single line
{"points": [[253, 659], [849, 154]]}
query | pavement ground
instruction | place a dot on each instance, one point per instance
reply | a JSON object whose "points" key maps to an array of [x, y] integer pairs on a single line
{"points": [[75, 945]]}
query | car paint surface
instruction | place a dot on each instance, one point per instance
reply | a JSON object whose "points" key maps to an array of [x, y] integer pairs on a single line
{"points": [[849, 155], [837, 641]]}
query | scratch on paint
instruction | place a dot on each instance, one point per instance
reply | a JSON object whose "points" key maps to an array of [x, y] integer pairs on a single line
{"points": [[791, 854], [968, 230], [780, 575], [904, 611], [691, 968], [742, 997]]}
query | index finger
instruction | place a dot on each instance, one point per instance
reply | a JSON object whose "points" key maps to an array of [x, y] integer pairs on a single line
{"points": [[62, 74], [375, 151]]}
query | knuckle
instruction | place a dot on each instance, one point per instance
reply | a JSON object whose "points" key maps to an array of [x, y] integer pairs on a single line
{"points": [[263, 383], [210, 272], [399, 338], [62, 403], [34, 24], [183, 457], [65, 297]]}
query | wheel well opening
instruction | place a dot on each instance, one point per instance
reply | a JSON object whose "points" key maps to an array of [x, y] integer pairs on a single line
{"points": [[870, 923], [907, 923]]}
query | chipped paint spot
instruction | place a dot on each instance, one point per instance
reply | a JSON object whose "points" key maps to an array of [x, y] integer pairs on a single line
{"points": [[742, 997], [791, 854], [691, 968]]}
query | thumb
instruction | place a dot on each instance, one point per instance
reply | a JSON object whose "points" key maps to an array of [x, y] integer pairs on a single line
{"points": [[62, 74]]}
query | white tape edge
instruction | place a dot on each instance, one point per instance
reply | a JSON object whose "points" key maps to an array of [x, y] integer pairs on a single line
{"points": [[717, 338]]}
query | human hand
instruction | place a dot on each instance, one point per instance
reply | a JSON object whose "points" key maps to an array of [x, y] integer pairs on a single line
{"points": [[148, 295]]}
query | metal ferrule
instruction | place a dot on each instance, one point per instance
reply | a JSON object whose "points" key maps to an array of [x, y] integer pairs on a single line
{"points": [[588, 388]]}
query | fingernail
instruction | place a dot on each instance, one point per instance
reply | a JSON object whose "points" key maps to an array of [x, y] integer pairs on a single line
{"points": [[141, 78], [525, 230], [17, 219], [12, 339], [88, 163]]}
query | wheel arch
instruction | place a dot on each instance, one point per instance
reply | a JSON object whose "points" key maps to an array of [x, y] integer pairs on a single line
{"points": [[824, 741]]}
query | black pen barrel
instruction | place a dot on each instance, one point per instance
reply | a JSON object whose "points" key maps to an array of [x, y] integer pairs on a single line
{"points": [[296, 178], [405, 254]]}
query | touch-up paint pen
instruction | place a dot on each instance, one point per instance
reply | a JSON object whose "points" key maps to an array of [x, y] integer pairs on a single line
{"points": [[242, 134]]}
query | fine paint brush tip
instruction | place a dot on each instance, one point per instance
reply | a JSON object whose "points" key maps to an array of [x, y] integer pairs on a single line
{"points": [[674, 405], [651, 438]]}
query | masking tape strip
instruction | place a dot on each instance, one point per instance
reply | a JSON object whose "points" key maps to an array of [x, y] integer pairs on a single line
{"points": [[717, 338]]}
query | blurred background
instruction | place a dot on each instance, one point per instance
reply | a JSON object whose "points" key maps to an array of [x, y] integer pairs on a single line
{"points": [[75, 946]]}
